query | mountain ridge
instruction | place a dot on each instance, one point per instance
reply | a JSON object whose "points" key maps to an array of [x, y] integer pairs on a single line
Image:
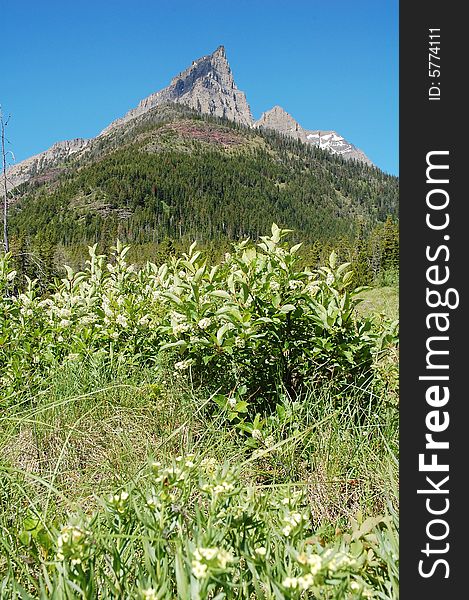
{"points": [[207, 86]]}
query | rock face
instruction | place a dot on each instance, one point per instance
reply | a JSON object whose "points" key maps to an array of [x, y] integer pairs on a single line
{"points": [[279, 120], [207, 86], [40, 163]]}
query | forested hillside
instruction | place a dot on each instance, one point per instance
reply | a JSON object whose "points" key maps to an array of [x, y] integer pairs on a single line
{"points": [[176, 175]]}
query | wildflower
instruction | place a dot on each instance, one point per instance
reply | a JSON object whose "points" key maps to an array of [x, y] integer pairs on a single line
{"points": [[290, 582], [340, 561], [144, 320], [313, 561], [220, 488], [149, 594], [199, 570], [240, 343], [256, 434], [114, 335], [72, 543], [121, 320], [65, 323], [269, 441], [355, 586], [204, 323], [119, 502], [286, 530], [209, 464], [294, 284], [330, 279], [64, 313], [306, 581], [153, 502], [180, 328], [182, 365], [274, 286], [207, 553], [232, 402], [260, 550], [87, 319]]}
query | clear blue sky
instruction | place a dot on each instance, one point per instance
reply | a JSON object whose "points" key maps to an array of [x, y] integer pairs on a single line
{"points": [[71, 67]]}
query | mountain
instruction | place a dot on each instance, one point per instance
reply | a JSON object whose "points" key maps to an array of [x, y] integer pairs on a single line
{"points": [[174, 173], [279, 120], [208, 87]]}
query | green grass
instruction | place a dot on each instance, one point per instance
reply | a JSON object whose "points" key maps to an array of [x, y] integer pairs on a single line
{"points": [[380, 300], [95, 430]]}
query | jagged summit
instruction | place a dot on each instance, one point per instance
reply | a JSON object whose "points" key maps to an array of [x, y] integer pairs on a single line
{"points": [[207, 86]]}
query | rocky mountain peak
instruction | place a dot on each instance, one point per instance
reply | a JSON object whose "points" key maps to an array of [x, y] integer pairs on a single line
{"points": [[207, 86], [278, 119]]}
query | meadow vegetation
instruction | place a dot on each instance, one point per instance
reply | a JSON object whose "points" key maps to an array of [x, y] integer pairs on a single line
{"points": [[189, 430]]}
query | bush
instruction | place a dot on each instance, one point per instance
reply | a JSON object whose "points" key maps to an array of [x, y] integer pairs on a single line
{"points": [[257, 320]]}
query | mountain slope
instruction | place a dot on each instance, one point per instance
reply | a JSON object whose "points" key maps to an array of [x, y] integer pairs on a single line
{"points": [[172, 172]]}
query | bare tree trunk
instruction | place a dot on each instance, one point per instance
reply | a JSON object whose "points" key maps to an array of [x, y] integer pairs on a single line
{"points": [[5, 189]]}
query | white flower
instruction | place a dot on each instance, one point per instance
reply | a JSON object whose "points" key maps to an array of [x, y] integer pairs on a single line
{"points": [[180, 328], [149, 594], [286, 530], [183, 364], [204, 323], [330, 279], [232, 402], [65, 323], [355, 586], [240, 343], [121, 320], [261, 551], [314, 561], [208, 553], [274, 285], [199, 570], [290, 582], [306, 581], [256, 434]]}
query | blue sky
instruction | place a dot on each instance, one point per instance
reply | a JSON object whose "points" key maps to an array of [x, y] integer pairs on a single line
{"points": [[71, 67]]}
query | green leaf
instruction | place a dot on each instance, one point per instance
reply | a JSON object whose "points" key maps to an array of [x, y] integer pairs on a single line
{"points": [[220, 294], [183, 586], [286, 308], [179, 344]]}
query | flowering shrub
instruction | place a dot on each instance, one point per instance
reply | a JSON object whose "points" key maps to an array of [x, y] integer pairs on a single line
{"points": [[194, 530], [257, 319]]}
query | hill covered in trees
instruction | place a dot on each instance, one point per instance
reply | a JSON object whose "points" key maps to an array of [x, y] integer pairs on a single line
{"points": [[174, 175]]}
